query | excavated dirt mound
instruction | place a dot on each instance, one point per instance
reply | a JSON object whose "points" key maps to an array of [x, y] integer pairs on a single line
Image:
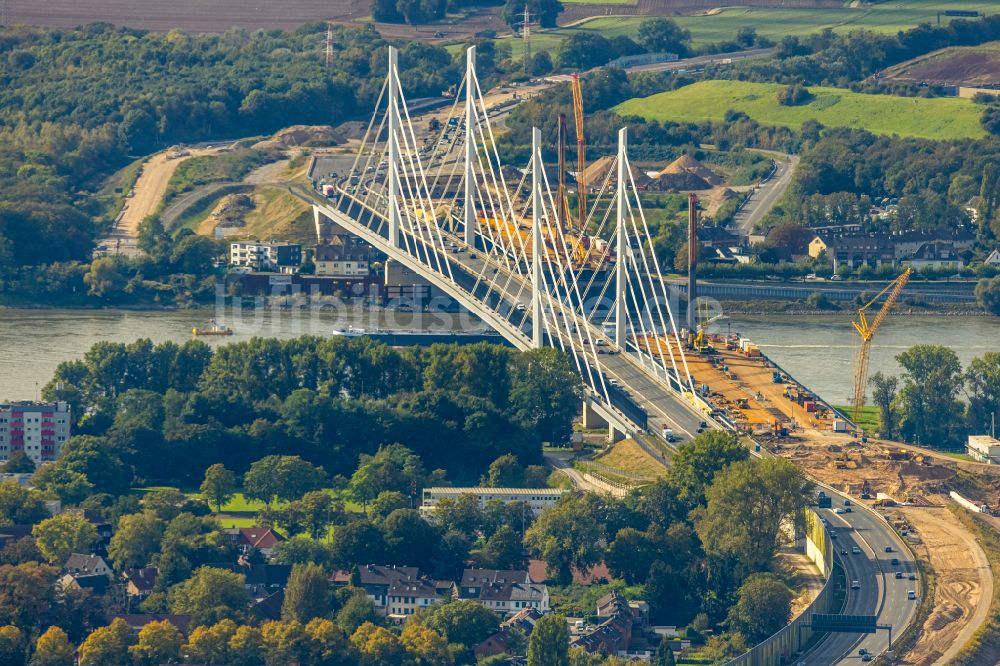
{"points": [[685, 164]]}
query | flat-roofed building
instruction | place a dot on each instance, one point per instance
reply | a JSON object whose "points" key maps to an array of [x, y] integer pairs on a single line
{"points": [[984, 448], [536, 498]]}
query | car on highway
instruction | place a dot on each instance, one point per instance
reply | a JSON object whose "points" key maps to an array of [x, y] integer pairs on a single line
{"points": [[913, 576], [838, 511], [848, 509], [899, 575], [847, 502], [895, 561], [888, 549], [855, 585], [843, 552], [866, 656], [911, 595], [855, 550]]}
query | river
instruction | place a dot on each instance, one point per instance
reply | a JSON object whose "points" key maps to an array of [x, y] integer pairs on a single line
{"points": [[816, 350]]}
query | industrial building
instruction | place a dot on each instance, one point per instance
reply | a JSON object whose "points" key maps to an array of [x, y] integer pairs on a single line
{"points": [[984, 449], [39, 429]]}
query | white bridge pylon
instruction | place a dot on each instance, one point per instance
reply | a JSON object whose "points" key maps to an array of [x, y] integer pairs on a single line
{"points": [[443, 196]]}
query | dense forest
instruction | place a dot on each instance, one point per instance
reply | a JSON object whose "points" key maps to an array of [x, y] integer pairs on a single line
{"points": [[80, 104], [163, 413]]}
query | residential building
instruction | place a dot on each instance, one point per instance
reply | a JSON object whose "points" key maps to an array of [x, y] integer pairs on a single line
{"points": [[717, 237], [935, 255], [984, 449], [39, 429], [396, 591], [536, 498], [854, 250], [245, 539], [906, 244], [87, 565], [139, 583], [261, 580], [407, 596], [272, 256], [499, 642], [350, 258], [613, 633], [505, 592]]}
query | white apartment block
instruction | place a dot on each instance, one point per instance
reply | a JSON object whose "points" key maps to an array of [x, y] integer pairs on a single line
{"points": [[39, 429], [536, 498]]}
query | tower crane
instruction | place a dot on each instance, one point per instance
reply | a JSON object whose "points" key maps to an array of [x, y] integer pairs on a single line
{"points": [[867, 330], [581, 157]]}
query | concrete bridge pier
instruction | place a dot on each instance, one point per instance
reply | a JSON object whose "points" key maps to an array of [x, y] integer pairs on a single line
{"points": [[615, 435], [591, 419]]}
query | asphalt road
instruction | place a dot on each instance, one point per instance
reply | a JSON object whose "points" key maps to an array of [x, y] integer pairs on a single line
{"points": [[702, 61], [880, 592], [764, 197]]}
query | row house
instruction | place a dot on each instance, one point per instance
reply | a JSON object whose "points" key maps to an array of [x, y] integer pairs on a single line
{"points": [[38, 429], [505, 592]]}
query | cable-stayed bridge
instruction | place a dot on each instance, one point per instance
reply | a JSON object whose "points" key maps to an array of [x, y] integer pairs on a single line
{"points": [[499, 240]]}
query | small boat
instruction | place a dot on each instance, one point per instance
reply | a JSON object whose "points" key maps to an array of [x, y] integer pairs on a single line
{"points": [[214, 328]]}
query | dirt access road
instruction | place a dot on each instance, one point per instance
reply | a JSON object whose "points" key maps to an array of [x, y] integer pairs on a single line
{"points": [[963, 584], [146, 196]]}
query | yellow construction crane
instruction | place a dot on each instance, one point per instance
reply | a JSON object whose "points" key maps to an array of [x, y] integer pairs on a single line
{"points": [[867, 331], [581, 157]]}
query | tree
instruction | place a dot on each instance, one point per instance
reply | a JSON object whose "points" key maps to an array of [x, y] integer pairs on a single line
{"points": [[630, 555], [464, 622], [566, 535], [210, 595], [104, 278], [425, 646], [68, 485], [107, 646], [246, 647], [386, 11], [210, 644], [27, 594], [541, 64], [53, 649], [135, 540], [19, 463], [930, 412], [988, 294], [356, 611], [548, 644], [506, 472], [377, 646], [159, 643], [357, 541], [663, 35], [410, 539], [698, 461], [219, 485], [387, 502], [392, 468], [62, 535], [982, 379], [328, 644], [664, 655], [763, 606], [545, 394], [748, 502], [307, 594], [790, 236], [883, 395], [281, 477], [991, 120], [20, 506], [794, 95], [504, 549], [12, 645]]}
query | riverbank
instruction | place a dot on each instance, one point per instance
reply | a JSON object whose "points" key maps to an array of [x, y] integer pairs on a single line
{"points": [[761, 308]]}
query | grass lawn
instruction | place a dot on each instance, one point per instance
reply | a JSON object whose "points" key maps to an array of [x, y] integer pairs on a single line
{"points": [[772, 22], [628, 456], [869, 417], [941, 118]]}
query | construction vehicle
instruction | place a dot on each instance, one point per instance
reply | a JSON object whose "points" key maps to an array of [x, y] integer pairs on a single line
{"points": [[867, 331]]}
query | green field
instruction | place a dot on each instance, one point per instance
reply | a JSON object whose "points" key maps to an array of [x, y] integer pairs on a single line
{"points": [[772, 22], [939, 118]]}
